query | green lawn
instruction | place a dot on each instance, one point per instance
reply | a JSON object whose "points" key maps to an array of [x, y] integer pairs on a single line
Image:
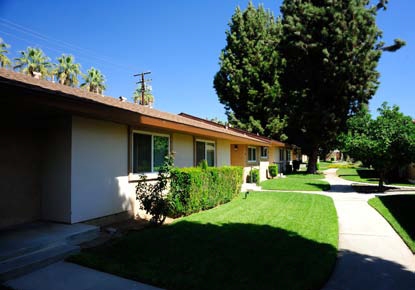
{"points": [[398, 210], [323, 165], [267, 241], [298, 181], [364, 175]]}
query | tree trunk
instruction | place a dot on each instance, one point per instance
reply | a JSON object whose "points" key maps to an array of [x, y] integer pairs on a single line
{"points": [[381, 179], [312, 162]]}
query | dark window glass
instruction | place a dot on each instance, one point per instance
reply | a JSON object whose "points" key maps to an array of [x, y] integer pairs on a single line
{"points": [[141, 153], [251, 154], [200, 152], [210, 154]]}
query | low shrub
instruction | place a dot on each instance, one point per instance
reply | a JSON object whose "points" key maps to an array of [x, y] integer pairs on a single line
{"points": [[296, 165], [151, 195], [273, 170], [343, 165], [253, 176], [196, 189]]}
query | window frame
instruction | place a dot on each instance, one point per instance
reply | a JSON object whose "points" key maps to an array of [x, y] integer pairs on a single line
{"points": [[266, 150], [282, 153], [256, 157], [214, 151], [152, 134]]}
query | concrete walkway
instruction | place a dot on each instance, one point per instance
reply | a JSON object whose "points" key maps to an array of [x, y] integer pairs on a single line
{"points": [[371, 254], [68, 276]]}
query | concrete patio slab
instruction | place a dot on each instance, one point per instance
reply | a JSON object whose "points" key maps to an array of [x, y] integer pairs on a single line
{"points": [[68, 276]]}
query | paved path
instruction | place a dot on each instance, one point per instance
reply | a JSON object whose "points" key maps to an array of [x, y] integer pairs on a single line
{"points": [[371, 254], [68, 276]]}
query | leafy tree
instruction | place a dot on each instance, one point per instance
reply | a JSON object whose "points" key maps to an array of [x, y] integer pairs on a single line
{"points": [[4, 60], [67, 71], [331, 49], [32, 61], [386, 143], [94, 81], [148, 96], [247, 82]]}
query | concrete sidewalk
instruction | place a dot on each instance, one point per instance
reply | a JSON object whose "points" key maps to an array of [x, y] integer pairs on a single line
{"points": [[68, 276], [371, 254]]}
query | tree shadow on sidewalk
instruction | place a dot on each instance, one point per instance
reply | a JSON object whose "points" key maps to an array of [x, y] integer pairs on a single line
{"points": [[341, 188], [358, 271]]}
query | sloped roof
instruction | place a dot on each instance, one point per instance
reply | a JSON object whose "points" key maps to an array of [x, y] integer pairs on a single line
{"points": [[236, 130], [15, 79]]}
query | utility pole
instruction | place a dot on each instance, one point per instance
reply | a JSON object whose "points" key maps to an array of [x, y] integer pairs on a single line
{"points": [[143, 84]]}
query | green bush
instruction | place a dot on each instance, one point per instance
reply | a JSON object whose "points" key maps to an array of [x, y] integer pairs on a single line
{"points": [[273, 170], [254, 176], [194, 189], [151, 195]]}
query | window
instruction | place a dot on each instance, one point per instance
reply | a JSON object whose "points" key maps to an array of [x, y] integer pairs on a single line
{"points": [[149, 152], [288, 155], [251, 154], [281, 154], [205, 150], [264, 152]]}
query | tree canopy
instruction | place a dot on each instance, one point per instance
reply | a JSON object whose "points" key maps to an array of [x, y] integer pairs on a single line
{"points": [[306, 73], [386, 143], [4, 60], [32, 61], [67, 71], [148, 96], [247, 82], [94, 81]]}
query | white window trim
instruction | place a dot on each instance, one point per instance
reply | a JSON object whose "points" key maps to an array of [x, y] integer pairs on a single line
{"points": [[267, 151], [206, 141], [256, 159], [152, 173]]}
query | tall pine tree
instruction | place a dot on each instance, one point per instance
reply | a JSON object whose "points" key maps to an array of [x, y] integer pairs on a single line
{"points": [[247, 82], [331, 48]]}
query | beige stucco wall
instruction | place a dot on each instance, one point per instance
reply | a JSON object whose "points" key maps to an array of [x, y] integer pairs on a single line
{"points": [[223, 154], [99, 169], [20, 173], [182, 145], [238, 155], [56, 170]]}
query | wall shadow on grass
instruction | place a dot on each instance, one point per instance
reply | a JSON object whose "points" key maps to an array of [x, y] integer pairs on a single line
{"points": [[188, 255], [362, 272]]}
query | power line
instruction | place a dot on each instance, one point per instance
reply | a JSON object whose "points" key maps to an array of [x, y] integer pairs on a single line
{"points": [[89, 53]]}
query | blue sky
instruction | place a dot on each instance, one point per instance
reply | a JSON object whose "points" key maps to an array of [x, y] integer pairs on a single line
{"points": [[179, 42]]}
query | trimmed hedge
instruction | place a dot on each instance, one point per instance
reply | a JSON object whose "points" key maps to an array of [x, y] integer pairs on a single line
{"points": [[253, 176], [196, 189], [273, 170]]}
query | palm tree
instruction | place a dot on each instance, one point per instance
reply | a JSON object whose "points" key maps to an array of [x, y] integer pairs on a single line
{"points": [[4, 60], [148, 96], [67, 70], [33, 61], [94, 81]]}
